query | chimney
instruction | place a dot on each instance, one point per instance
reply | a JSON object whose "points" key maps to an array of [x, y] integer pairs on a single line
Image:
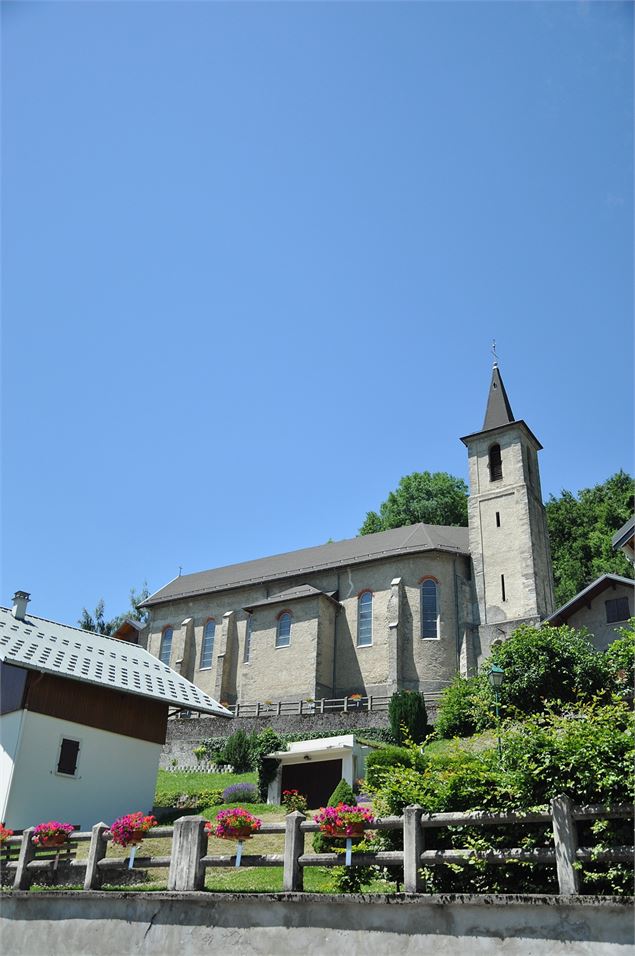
{"points": [[20, 601]]}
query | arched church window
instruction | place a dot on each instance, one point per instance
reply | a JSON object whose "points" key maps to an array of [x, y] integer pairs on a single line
{"points": [[166, 645], [365, 619], [283, 630], [207, 647], [429, 608], [495, 463]]}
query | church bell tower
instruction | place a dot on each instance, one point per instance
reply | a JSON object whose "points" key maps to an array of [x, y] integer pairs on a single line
{"points": [[509, 542]]}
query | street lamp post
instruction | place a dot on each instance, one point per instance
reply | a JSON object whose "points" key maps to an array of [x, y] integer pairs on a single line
{"points": [[495, 677]]}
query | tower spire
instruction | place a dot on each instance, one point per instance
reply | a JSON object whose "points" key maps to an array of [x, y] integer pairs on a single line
{"points": [[498, 411]]}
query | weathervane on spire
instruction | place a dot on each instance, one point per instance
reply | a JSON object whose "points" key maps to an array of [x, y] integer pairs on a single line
{"points": [[494, 353]]}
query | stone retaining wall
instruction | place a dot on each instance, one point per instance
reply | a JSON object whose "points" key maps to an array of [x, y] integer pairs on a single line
{"points": [[109, 924], [185, 734]]}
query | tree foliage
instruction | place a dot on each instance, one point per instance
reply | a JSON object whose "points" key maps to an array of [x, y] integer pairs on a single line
{"points": [[431, 497], [96, 621], [580, 532]]}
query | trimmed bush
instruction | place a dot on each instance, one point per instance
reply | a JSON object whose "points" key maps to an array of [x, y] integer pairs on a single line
{"points": [[407, 709], [240, 793], [379, 761], [466, 707]]}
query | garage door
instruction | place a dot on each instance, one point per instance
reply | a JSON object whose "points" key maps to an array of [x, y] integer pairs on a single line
{"points": [[315, 779]]}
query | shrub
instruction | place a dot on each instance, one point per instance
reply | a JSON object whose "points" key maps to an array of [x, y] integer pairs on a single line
{"points": [[266, 742], [407, 709], [466, 707], [240, 793], [585, 753], [379, 761], [210, 798], [238, 752], [549, 663], [620, 660], [343, 793]]}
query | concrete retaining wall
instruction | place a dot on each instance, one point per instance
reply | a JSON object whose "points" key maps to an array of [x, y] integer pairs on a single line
{"points": [[105, 924]]}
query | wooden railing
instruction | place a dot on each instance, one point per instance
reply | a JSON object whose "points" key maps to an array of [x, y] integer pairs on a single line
{"points": [[305, 708], [189, 859]]}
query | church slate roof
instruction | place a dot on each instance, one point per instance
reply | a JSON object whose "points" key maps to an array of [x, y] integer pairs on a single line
{"points": [[498, 411], [371, 547], [37, 644], [293, 594]]}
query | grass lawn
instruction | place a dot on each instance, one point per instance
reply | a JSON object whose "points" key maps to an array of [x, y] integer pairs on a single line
{"points": [[173, 784]]}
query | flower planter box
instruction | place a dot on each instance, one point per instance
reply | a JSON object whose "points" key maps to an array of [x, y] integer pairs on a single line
{"points": [[54, 840], [244, 833]]}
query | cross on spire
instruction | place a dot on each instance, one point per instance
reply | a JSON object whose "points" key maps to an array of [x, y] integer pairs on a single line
{"points": [[494, 353]]}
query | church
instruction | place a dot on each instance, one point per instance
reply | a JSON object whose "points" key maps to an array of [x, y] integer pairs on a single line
{"points": [[401, 609]]}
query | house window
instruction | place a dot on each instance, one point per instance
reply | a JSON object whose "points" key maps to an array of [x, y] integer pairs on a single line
{"points": [[67, 761], [283, 630], [365, 619], [166, 646], [495, 463], [248, 638], [429, 608], [207, 648], [617, 609]]}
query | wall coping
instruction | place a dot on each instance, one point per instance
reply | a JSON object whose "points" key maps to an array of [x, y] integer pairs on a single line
{"points": [[391, 899]]}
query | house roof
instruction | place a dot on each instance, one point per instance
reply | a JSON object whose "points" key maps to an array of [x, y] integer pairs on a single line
{"points": [[293, 594], [625, 533], [562, 615], [370, 547], [52, 648]]}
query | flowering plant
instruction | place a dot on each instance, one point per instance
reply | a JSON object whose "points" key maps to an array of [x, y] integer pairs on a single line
{"points": [[234, 824], [131, 828], [4, 833], [52, 832], [343, 820], [294, 800]]}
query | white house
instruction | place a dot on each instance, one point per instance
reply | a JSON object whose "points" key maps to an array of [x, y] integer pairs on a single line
{"points": [[83, 718], [315, 767]]}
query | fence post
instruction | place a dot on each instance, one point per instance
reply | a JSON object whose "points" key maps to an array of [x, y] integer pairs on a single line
{"points": [[27, 852], [293, 850], [96, 852], [566, 844], [370, 703], [189, 846], [321, 705], [412, 848]]}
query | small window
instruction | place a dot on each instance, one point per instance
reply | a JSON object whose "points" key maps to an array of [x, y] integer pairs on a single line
{"points": [[69, 752], [495, 463], [166, 646], [283, 630], [365, 619], [248, 639], [617, 609], [498, 519], [207, 648], [429, 609], [503, 597]]}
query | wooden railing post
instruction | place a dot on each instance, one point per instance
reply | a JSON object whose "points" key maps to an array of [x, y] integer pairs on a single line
{"points": [[96, 852], [293, 850], [27, 852], [412, 848], [189, 846], [566, 844]]}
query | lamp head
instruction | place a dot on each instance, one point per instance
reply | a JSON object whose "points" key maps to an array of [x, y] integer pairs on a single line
{"points": [[496, 676]]}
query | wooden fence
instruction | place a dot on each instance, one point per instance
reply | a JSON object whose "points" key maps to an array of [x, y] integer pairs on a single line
{"points": [[189, 857], [306, 708]]}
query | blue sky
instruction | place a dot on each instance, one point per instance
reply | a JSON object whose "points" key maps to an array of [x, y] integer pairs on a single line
{"points": [[254, 255]]}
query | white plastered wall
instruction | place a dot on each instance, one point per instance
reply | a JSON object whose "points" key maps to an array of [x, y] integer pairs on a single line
{"points": [[115, 774]]}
